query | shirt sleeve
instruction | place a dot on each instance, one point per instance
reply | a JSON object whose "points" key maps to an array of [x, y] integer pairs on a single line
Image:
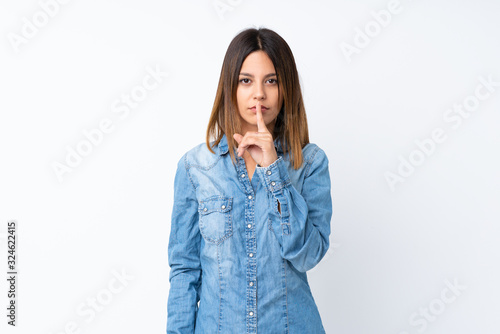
{"points": [[183, 255], [303, 225]]}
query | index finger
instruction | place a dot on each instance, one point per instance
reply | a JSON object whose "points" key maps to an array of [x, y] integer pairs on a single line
{"points": [[261, 126]]}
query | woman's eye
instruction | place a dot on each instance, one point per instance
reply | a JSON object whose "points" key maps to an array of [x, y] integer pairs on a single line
{"points": [[246, 80]]}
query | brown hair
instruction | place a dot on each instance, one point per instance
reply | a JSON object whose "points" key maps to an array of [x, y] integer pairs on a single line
{"points": [[291, 123]]}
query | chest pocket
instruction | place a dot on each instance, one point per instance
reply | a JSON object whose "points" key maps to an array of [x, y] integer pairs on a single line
{"points": [[215, 218]]}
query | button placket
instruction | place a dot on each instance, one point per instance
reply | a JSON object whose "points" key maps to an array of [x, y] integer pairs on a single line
{"points": [[251, 247]]}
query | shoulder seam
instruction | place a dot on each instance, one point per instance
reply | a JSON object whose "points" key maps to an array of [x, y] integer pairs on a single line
{"points": [[187, 166], [195, 165], [311, 159]]}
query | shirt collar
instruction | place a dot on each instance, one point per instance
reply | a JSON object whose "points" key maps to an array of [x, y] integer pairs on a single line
{"points": [[223, 148]]}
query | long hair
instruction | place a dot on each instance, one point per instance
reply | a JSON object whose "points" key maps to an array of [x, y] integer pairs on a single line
{"points": [[291, 124]]}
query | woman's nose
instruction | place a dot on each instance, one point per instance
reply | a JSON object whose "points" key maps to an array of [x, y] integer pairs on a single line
{"points": [[259, 92]]}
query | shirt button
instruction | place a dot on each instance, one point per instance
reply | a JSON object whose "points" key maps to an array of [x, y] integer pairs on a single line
{"points": [[204, 209], [251, 313], [243, 175], [249, 196], [269, 172], [273, 183], [249, 225], [251, 254], [251, 283], [223, 207]]}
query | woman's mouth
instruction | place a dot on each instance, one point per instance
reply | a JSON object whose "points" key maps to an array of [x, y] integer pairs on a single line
{"points": [[254, 109]]}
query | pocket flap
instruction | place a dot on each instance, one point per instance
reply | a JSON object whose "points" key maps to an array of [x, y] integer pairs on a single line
{"points": [[215, 203]]}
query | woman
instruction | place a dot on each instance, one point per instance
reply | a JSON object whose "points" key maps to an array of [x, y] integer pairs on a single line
{"points": [[246, 226]]}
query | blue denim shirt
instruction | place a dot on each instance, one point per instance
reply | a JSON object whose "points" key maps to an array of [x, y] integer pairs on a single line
{"points": [[231, 249]]}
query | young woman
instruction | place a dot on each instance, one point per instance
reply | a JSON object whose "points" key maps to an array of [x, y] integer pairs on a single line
{"points": [[252, 208]]}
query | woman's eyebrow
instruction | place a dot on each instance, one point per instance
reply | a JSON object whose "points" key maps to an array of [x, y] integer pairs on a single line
{"points": [[251, 76]]}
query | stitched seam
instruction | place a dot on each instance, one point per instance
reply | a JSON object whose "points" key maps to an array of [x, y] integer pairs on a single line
{"points": [[310, 161], [286, 296], [187, 166], [220, 291], [227, 215], [207, 167]]}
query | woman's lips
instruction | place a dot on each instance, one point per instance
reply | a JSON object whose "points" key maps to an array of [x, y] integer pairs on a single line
{"points": [[254, 109]]}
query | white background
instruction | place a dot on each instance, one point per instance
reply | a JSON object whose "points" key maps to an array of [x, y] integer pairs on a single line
{"points": [[392, 249]]}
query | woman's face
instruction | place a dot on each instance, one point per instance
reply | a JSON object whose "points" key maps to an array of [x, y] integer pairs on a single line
{"points": [[258, 82]]}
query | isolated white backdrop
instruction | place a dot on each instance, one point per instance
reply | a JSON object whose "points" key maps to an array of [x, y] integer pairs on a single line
{"points": [[396, 251]]}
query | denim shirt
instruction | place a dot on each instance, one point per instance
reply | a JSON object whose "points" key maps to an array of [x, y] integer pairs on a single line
{"points": [[232, 250]]}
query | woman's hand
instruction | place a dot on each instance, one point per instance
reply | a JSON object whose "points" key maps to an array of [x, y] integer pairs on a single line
{"points": [[259, 144]]}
